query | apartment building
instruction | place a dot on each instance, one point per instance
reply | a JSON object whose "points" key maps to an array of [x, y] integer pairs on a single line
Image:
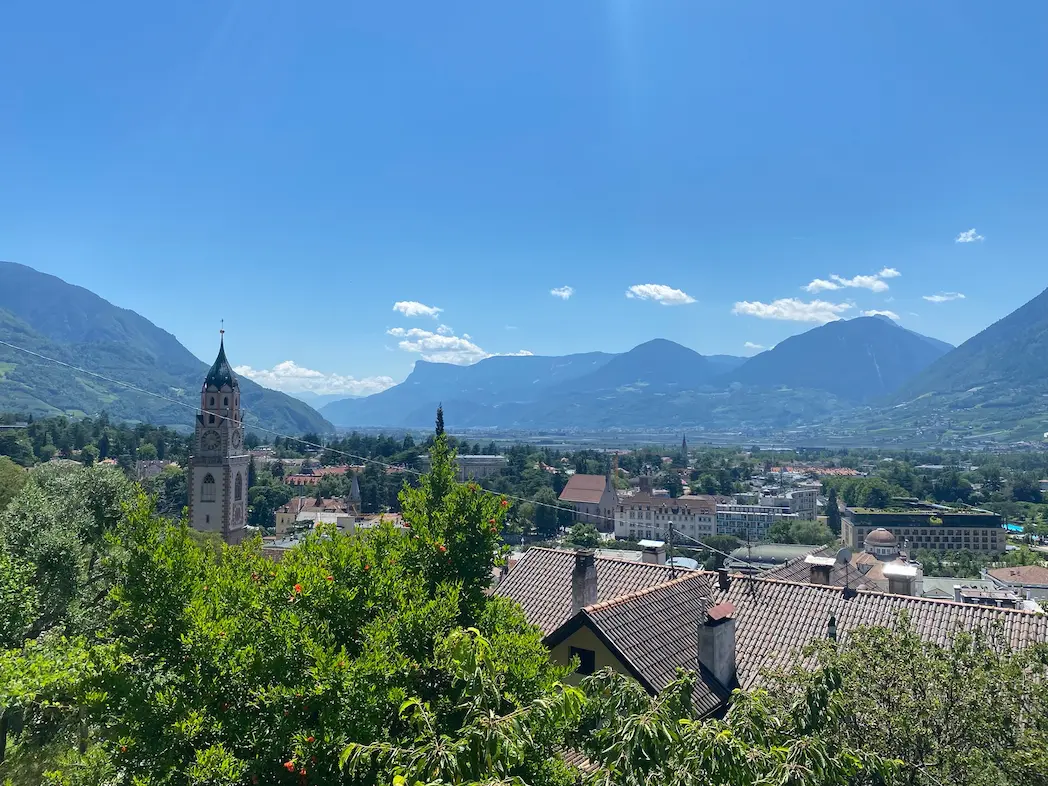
{"points": [[801, 501], [750, 522], [927, 527], [646, 516]]}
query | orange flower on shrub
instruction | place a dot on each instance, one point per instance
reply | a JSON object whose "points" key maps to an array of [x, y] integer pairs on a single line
{"points": [[298, 589], [289, 765]]}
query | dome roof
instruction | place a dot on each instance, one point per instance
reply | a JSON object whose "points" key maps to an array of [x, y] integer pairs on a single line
{"points": [[221, 372], [881, 537]]}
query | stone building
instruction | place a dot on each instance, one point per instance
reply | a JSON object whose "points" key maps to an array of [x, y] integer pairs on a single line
{"points": [[218, 466]]}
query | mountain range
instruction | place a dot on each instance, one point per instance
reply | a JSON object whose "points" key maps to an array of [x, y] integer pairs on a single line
{"points": [[70, 324], [867, 378], [826, 370]]}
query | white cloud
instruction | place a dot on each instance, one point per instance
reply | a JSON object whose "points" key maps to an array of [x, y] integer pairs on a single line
{"points": [[660, 293], [412, 308], [439, 347], [969, 236], [820, 284], [944, 297], [445, 330], [792, 309], [885, 313], [562, 292], [874, 283], [290, 377], [755, 347]]}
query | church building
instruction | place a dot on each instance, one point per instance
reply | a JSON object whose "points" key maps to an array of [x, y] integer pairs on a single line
{"points": [[218, 466]]}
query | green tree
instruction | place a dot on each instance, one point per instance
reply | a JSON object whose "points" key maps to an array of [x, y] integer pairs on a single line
{"points": [[833, 512], [88, 455], [547, 519], [672, 483], [439, 430], [147, 452], [899, 696], [781, 531], [814, 533], [584, 535], [12, 478]]}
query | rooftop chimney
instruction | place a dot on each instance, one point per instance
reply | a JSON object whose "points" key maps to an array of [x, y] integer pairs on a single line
{"points": [[722, 579], [583, 580], [819, 569], [904, 578], [654, 554], [717, 643]]}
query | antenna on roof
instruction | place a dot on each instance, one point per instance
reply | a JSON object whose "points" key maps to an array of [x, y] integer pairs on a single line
{"points": [[673, 564]]}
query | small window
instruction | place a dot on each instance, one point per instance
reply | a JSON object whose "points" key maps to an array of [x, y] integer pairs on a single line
{"points": [[207, 519], [208, 490], [586, 660], [211, 401], [210, 419], [238, 488], [225, 401]]}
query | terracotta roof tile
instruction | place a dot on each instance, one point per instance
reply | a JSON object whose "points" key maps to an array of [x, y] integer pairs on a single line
{"points": [[1027, 574], [586, 489], [775, 618], [652, 618], [541, 583], [656, 631]]}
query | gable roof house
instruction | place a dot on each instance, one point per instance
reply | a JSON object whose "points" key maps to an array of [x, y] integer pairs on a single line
{"points": [[648, 621], [593, 498]]}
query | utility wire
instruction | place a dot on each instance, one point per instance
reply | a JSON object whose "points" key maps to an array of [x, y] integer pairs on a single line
{"points": [[256, 427]]}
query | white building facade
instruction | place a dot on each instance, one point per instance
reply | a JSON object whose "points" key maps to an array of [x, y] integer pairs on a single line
{"points": [[644, 516]]}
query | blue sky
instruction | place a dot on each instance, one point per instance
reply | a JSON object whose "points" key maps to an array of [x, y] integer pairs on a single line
{"points": [[299, 168]]}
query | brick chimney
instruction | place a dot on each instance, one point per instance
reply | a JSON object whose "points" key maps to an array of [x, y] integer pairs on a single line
{"points": [[717, 643], [583, 580]]}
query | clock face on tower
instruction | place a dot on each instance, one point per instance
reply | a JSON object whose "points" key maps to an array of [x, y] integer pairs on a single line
{"points": [[210, 440], [235, 437]]}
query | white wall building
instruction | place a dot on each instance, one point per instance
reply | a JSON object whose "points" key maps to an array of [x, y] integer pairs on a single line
{"points": [[644, 516]]}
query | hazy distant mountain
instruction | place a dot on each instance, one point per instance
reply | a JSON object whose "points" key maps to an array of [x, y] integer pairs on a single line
{"points": [[317, 400], [654, 365], [464, 390], [69, 323], [858, 359], [722, 364]]}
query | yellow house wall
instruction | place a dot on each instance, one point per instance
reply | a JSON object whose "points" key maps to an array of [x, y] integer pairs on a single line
{"points": [[585, 639]]}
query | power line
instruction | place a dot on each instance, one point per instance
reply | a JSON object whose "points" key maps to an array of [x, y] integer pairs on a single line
{"points": [[299, 440]]}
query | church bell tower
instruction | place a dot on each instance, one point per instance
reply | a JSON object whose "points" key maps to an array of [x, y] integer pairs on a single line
{"points": [[218, 466]]}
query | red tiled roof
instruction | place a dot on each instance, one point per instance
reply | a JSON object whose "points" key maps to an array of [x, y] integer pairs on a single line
{"points": [[541, 583], [653, 624], [654, 632], [1027, 574], [587, 489], [774, 619]]}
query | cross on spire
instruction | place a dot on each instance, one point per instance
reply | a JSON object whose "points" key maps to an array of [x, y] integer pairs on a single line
{"points": [[222, 327]]}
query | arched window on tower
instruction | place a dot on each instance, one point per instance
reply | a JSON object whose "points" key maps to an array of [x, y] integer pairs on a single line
{"points": [[208, 489], [238, 489], [211, 402], [225, 401]]}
